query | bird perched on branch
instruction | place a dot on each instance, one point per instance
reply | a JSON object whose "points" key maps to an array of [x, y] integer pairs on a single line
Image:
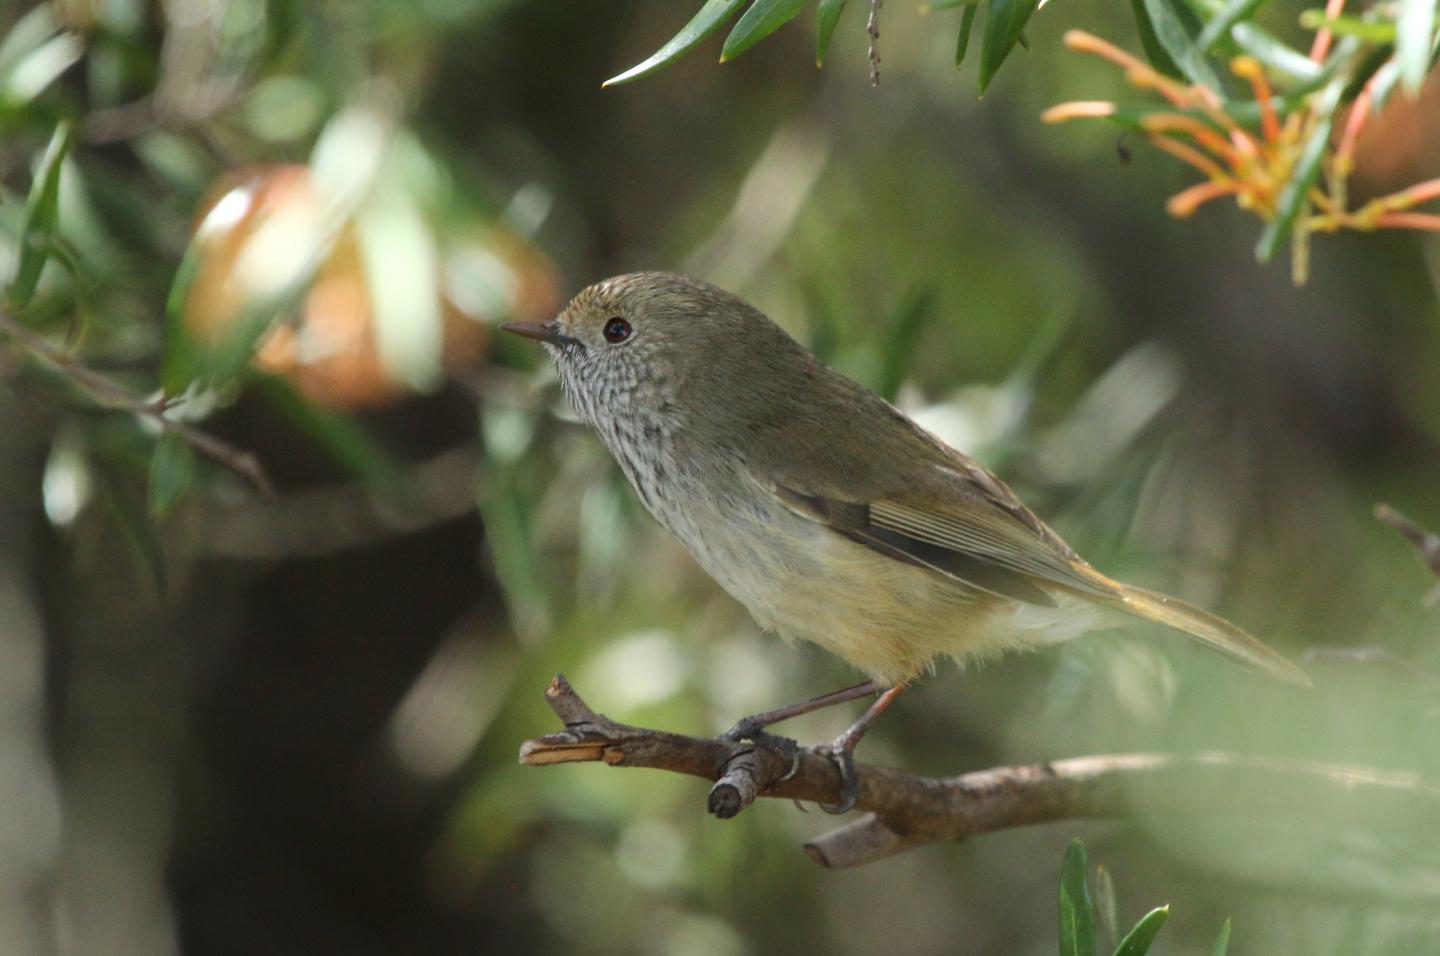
{"points": [[822, 508]]}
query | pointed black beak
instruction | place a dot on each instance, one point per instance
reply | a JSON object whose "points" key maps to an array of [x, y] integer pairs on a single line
{"points": [[540, 331]]}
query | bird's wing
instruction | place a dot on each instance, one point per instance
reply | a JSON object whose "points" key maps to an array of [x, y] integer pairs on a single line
{"points": [[973, 531]]}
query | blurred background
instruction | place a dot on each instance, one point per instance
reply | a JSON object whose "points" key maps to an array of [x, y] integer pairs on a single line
{"points": [[229, 725]]}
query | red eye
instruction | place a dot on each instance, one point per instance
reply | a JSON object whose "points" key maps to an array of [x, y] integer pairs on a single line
{"points": [[616, 330]]}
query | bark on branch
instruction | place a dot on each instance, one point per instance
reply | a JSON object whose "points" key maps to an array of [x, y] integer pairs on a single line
{"points": [[904, 810]]}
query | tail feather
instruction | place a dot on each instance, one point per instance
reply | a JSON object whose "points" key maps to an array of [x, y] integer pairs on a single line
{"points": [[1209, 629]]}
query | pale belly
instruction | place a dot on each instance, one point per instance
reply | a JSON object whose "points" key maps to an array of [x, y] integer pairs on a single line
{"points": [[889, 619]]}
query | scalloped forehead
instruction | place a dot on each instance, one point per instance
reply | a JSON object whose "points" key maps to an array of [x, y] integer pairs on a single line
{"points": [[636, 288]]}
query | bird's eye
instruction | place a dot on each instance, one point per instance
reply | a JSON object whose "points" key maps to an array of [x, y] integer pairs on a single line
{"points": [[616, 330]]}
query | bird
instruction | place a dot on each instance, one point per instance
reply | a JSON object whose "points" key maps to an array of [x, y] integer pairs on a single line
{"points": [[827, 512]]}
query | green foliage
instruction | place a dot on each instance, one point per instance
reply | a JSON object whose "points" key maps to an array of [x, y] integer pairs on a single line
{"points": [[827, 17], [1079, 912], [1004, 24], [37, 230]]}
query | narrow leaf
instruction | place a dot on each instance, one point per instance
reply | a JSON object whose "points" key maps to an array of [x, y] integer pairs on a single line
{"points": [[1232, 13], [172, 470], [1137, 941], [1274, 53], [962, 43], [1176, 27], [41, 215], [1376, 31], [1415, 24], [1004, 22], [1106, 908], [1154, 49], [1293, 195], [126, 509], [1077, 913], [826, 16], [1222, 942], [711, 16], [762, 19]]}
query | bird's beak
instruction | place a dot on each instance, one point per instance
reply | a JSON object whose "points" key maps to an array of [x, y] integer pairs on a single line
{"points": [[540, 331]]}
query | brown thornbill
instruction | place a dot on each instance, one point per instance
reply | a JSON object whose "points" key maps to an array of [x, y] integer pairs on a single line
{"points": [[822, 508]]}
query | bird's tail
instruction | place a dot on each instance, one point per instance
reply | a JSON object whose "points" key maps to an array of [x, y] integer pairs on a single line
{"points": [[1209, 629]]}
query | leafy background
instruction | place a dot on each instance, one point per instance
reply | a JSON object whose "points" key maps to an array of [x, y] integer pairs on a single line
{"points": [[232, 725]]}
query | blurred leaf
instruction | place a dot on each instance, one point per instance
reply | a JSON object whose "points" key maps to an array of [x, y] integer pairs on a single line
{"points": [[827, 15], [402, 272], [1077, 913], [125, 507], [1273, 53], [707, 21], [41, 215], [967, 21], [1177, 29], [348, 444], [172, 471], [1232, 13], [29, 78], [179, 365], [1004, 22], [1375, 60], [31, 30], [1293, 196], [1106, 906], [1376, 31], [916, 311], [1222, 942], [1154, 49], [762, 19], [1137, 941], [1415, 24]]}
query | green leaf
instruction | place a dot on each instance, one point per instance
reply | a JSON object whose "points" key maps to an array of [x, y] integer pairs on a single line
{"points": [[31, 30], [1273, 53], [347, 443], [1415, 24], [707, 21], [1232, 13], [962, 43], [1077, 913], [762, 19], [172, 470], [124, 506], [1222, 942], [42, 211], [916, 311], [1177, 28], [1293, 195], [1106, 908], [1376, 31], [1004, 22], [1154, 49], [827, 15], [1137, 941]]}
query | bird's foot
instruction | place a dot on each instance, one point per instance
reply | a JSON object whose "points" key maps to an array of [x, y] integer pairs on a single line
{"points": [[841, 752]]}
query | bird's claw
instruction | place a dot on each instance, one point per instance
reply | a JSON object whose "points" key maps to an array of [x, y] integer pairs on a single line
{"points": [[844, 759]]}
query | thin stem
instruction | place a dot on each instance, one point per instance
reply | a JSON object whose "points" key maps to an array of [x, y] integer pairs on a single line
{"points": [[110, 394]]}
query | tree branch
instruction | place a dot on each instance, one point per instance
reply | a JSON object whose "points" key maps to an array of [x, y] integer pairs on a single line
{"points": [[905, 810], [110, 394], [1427, 544]]}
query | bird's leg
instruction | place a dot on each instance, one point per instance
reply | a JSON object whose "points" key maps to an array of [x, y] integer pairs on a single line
{"points": [[842, 750], [748, 727]]}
